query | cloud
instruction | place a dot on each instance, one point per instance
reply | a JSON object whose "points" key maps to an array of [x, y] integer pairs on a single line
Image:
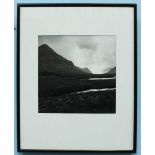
{"points": [[98, 53]]}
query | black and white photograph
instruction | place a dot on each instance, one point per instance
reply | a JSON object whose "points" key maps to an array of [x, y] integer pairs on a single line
{"points": [[77, 73], [77, 77]]}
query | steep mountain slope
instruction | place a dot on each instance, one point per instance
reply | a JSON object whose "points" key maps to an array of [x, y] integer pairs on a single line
{"points": [[53, 63]]}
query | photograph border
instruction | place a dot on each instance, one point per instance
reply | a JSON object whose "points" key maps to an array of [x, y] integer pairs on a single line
{"points": [[19, 5], [90, 70]]}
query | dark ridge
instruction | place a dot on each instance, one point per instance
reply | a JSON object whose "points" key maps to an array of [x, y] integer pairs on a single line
{"points": [[51, 62], [112, 71]]}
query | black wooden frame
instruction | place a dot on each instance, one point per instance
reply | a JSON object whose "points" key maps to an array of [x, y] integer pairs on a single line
{"points": [[134, 6]]}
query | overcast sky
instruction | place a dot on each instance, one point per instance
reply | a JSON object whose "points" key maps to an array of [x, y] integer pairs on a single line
{"points": [[98, 53]]}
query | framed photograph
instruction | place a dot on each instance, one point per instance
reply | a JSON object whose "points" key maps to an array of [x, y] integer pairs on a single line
{"points": [[77, 77]]}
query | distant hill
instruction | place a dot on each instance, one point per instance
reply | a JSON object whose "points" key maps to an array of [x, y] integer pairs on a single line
{"points": [[51, 62], [112, 71], [86, 70]]}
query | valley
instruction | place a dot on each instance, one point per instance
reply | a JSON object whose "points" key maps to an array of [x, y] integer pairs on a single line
{"points": [[66, 88]]}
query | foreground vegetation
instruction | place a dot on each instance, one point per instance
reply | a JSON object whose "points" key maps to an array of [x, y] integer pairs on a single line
{"points": [[90, 102], [59, 95]]}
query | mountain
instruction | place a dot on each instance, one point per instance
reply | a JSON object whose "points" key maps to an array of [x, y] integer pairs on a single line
{"points": [[52, 63], [112, 70], [86, 70]]}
